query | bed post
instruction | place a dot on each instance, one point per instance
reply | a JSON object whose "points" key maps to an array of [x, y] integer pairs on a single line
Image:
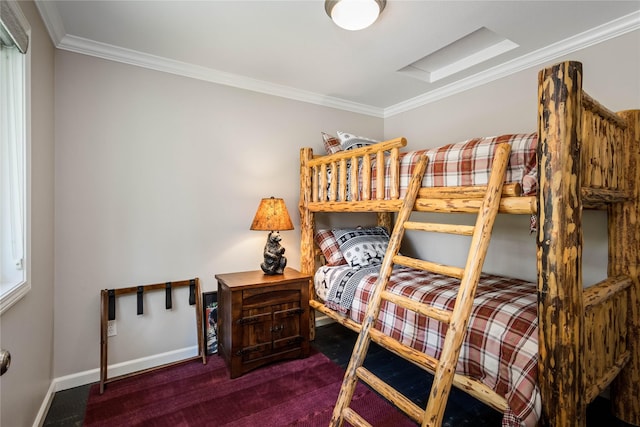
{"points": [[624, 259], [307, 224], [385, 219], [559, 242]]}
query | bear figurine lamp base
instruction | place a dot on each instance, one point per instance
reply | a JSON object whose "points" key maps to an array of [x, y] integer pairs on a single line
{"points": [[272, 216]]}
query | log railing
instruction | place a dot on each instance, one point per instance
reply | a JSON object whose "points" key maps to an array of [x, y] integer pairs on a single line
{"points": [[603, 138], [605, 306], [346, 175]]}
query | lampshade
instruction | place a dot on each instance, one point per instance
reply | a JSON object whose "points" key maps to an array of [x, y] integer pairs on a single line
{"points": [[354, 14], [272, 215]]}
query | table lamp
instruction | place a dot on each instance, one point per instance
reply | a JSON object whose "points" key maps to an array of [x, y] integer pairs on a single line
{"points": [[272, 216]]}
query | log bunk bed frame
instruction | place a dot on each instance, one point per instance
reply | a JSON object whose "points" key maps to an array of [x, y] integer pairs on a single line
{"points": [[588, 157]]}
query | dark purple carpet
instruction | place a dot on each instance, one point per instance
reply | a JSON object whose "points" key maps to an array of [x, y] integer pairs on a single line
{"points": [[293, 393]]}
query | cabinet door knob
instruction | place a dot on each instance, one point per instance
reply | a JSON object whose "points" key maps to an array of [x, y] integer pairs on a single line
{"points": [[277, 328]]}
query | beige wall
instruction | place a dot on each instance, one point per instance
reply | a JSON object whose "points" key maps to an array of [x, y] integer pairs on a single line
{"points": [[611, 73], [158, 178], [27, 327]]}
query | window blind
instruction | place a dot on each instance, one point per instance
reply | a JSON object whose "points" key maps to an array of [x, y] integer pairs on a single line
{"points": [[13, 26]]}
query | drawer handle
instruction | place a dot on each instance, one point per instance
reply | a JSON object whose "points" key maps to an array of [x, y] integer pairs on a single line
{"points": [[277, 328]]}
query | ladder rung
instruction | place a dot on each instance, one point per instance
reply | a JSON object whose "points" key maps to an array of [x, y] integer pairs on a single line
{"points": [[353, 418], [464, 230], [419, 264], [421, 308], [418, 357], [391, 394]]}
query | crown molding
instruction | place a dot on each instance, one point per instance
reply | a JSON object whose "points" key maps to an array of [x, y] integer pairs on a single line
{"points": [[52, 20], [158, 63], [583, 40], [58, 35]]}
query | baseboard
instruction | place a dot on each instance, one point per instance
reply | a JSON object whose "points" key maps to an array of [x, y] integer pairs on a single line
{"points": [[44, 408], [93, 375], [323, 320], [123, 368]]}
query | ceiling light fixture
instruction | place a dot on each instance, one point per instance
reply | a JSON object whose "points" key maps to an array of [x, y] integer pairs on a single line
{"points": [[354, 14]]}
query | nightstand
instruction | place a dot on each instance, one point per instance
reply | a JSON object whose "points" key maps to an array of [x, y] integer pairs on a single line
{"points": [[262, 318]]}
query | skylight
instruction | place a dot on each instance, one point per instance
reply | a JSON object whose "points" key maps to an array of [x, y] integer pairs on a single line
{"points": [[472, 49]]}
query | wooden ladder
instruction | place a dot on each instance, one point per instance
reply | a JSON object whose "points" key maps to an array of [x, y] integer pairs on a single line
{"points": [[457, 319]]}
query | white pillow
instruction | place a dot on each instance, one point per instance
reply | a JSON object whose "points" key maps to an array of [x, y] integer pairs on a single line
{"points": [[349, 141]]}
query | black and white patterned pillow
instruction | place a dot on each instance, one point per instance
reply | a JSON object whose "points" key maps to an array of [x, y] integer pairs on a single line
{"points": [[349, 141], [363, 247]]}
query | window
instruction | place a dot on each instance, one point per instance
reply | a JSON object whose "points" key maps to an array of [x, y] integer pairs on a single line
{"points": [[14, 155]]}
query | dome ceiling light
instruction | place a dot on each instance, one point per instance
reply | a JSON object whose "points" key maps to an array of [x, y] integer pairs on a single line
{"points": [[354, 15]]}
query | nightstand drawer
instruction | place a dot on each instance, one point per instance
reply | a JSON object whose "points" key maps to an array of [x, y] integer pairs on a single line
{"points": [[262, 297]]}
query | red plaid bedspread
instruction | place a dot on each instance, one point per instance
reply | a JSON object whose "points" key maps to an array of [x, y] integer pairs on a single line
{"points": [[469, 163], [501, 345]]}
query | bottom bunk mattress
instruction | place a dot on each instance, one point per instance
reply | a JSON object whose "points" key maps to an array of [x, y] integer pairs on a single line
{"points": [[501, 344]]}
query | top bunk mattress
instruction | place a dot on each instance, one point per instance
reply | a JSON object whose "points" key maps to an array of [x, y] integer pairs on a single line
{"points": [[469, 163], [466, 163]]}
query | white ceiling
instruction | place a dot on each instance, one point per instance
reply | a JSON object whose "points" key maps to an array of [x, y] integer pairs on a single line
{"points": [[292, 49]]}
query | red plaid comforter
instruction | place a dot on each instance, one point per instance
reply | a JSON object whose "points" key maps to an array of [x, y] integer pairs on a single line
{"points": [[501, 345], [469, 163]]}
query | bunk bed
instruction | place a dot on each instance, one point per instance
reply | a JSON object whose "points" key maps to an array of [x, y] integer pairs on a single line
{"points": [[587, 157]]}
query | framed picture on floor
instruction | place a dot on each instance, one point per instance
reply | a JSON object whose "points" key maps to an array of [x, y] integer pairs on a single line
{"points": [[210, 320]]}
